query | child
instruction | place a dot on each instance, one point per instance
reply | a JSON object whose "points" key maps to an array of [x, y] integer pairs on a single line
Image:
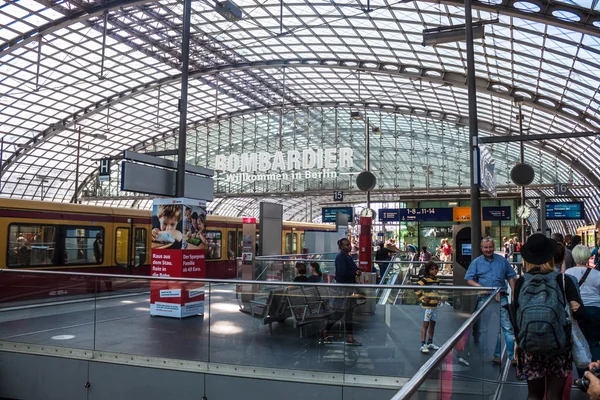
{"points": [[429, 301], [168, 218]]}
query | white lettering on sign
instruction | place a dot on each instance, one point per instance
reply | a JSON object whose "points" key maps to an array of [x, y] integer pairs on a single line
{"points": [[246, 177], [285, 161]]}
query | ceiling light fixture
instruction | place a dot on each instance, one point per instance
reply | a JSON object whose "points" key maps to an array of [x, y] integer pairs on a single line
{"points": [[454, 33], [356, 115], [229, 10]]}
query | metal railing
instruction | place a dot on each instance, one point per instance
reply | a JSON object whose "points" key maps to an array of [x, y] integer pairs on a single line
{"points": [[410, 387]]}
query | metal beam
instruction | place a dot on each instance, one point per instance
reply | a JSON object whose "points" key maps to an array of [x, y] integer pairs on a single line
{"points": [[526, 138]]}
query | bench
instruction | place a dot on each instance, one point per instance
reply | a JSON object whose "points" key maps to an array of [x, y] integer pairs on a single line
{"points": [[306, 306], [273, 308]]}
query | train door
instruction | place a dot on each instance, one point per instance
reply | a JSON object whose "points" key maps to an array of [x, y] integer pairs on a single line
{"points": [[131, 247]]}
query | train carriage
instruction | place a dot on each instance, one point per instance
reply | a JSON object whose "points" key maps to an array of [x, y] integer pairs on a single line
{"points": [[82, 238]]}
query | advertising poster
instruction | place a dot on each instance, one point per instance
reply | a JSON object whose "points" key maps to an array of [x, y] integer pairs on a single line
{"points": [[179, 248]]}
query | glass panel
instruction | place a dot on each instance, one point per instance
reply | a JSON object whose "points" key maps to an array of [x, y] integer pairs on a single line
{"points": [[30, 245], [240, 244], [32, 310], [467, 370], [214, 244], [122, 247], [231, 252], [84, 245], [302, 243], [140, 247]]}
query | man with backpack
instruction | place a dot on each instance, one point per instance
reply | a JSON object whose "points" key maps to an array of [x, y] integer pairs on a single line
{"points": [[492, 270]]}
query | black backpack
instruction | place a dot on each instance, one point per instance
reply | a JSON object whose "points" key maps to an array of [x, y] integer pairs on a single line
{"points": [[542, 319]]}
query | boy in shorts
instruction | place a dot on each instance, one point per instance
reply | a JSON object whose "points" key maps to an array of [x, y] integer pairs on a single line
{"points": [[429, 299]]}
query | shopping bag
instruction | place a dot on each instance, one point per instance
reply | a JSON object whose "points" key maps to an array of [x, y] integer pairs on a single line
{"points": [[582, 356]]}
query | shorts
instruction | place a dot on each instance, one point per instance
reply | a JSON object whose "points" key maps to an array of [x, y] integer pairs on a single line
{"points": [[429, 314]]}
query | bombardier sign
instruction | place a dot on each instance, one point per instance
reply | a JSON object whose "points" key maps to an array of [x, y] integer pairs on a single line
{"points": [[275, 166]]}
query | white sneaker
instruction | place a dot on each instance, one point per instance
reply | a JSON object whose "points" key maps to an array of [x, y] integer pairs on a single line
{"points": [[462, 361], [424, 349], [432, 346]]}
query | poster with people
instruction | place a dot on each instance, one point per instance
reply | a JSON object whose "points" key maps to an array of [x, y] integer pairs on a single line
{"points": [[179, 251]]}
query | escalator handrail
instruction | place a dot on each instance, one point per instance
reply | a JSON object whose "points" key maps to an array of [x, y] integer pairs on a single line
{"points": [[410, 387]]}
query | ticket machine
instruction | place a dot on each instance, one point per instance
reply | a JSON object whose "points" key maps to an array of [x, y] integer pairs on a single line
{"points": [[462, 250]]}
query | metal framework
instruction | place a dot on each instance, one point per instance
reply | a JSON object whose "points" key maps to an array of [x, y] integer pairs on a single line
{"points": [[112, 71]]}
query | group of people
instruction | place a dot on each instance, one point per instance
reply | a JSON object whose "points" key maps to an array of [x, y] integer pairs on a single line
{"points": [[511, 248], [535, 324]]}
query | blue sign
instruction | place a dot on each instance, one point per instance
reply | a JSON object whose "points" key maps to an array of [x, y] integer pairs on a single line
{"points": [[329, 214], [389, 214], [426, 214], [566, 210], [496, 213]]}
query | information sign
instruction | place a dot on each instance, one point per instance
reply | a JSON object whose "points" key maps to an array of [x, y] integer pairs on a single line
{"points": [[329, 213], [501, 213], [425, 214], [338, 195], [461, 214], [565, 210], [389, 214], [560, 189]]}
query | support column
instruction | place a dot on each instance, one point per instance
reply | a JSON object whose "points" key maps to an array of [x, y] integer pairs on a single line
{"points": [[185, 55], [473, 134]]}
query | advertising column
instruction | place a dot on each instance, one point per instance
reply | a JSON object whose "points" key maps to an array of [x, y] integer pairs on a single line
{"points": [[365, 242], [178, 251]]}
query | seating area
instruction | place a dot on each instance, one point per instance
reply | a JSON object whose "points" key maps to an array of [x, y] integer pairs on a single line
{"points": [[304, 304]]}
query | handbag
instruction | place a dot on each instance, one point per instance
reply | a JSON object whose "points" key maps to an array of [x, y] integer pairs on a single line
{"points": [[580, 350]]}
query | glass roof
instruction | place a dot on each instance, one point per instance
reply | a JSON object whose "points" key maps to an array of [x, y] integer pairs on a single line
{"points": [[68, 100]]}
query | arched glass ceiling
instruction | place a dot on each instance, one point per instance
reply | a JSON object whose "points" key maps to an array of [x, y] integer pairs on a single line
{"points": [[58, 81]]}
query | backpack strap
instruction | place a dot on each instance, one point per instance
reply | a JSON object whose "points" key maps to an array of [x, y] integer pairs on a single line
{"points": [[584, 277]]}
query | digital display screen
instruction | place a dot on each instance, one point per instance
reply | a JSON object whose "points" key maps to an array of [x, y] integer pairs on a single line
{"points": [[565, 210], [466, 249], [501, 213], [329, 214]]}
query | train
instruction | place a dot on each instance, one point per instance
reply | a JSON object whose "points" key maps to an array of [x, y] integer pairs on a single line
{"points": [[589, 235], [110, 240]]}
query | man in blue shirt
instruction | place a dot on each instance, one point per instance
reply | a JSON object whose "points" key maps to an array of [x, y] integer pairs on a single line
{"points": [[493, 270]]}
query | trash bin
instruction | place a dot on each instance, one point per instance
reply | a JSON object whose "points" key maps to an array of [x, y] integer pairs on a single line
{"points": [[367, 305]]}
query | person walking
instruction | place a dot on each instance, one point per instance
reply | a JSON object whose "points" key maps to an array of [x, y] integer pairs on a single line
{"points": [[544, 357], [492, 270], [588, 280]]}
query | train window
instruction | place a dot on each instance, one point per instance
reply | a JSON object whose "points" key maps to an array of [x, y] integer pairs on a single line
{"points": [[240, 243], [140, 247], [295, 243], [84, 245], [122, 247], [231, 250], [31, 245], [288, 243], [213, 245], [302, 243]]}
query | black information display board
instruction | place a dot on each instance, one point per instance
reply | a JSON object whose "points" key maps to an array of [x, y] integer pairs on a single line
{"points": [[389, 214], [500, 213], [329, 214], [565, 210]]}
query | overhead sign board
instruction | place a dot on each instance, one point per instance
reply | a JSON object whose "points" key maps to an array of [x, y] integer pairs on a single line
{"points": [[561, 189], [389, 214], [329, 213], [565, 210], [338, 195], [425, 214], [461, 214], [486, 169], [501, 213]]}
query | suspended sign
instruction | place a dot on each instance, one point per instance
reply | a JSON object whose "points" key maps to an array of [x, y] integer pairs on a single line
{"points": [[486, 169]]}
